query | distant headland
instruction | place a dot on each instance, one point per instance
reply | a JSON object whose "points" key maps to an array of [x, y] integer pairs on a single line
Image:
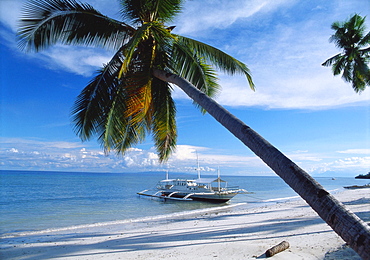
{"points": [[362, 176]]}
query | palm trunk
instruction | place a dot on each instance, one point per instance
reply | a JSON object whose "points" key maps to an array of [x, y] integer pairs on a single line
{"points": [[346, 224]]}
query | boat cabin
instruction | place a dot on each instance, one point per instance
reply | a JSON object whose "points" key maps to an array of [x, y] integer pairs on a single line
{"points": [[193, 185]]}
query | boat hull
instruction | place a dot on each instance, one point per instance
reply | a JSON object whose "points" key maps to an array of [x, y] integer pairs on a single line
{"points": [[213, 198]]}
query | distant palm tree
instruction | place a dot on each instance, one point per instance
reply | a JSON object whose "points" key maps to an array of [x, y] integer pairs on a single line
{"points": [[131, 95], [353, 62]]}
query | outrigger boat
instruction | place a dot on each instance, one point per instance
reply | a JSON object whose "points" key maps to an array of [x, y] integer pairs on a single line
{"points": [[200, 189], [358, 186]]}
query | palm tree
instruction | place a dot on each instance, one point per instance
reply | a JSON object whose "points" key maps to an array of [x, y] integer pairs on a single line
{"points": [[131, 95], [353, 61], [125, 102]]}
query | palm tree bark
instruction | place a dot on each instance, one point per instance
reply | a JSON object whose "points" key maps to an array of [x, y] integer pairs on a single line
{"points": [[346, 224]]}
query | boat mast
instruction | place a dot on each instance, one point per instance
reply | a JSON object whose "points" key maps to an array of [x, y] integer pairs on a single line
{"points": [[198, 168], [218, 179]]}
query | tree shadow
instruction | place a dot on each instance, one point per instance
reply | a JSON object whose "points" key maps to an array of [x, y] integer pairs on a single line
{"points": [[56, 245], [344, 252]]}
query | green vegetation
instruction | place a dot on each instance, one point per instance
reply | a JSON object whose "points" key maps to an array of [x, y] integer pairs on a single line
{"points": [[363, 176], [353, 61]]}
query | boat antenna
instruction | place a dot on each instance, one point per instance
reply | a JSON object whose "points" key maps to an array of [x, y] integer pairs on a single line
{"points": [[198, 168]]}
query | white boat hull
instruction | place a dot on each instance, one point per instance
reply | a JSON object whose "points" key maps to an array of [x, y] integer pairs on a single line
{"points": [[209, 197]]}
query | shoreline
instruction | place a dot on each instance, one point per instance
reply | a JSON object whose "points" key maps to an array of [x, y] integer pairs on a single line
{"points": [[235, 232]]}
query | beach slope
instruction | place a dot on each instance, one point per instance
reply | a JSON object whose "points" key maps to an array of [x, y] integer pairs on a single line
{"points": [[229, 233]]}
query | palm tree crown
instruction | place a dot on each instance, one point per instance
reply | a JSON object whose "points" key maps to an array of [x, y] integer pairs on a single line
{"points": [[124, 101], [353, 61]]}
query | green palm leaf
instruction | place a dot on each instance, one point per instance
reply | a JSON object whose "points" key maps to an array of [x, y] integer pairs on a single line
{"points": [[46, 22], [93, 104], [164, 122], [139, 11], [221, 60], [353, 62]]}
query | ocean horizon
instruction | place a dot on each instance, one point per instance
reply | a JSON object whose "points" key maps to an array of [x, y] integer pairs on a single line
{"points": [[35, 201]]}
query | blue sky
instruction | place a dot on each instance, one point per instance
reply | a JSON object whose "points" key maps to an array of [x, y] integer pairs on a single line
{"points": [[316, 119]]}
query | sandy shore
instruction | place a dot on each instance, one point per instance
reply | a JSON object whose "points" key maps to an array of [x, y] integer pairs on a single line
{"points": [[232, 233]]}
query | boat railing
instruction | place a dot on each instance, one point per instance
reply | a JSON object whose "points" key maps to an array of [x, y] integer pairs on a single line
{"points": [[233, 188], [230, 188]]}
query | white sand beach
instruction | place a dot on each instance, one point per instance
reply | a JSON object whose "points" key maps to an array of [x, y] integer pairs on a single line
{"points": [[231, 233]]}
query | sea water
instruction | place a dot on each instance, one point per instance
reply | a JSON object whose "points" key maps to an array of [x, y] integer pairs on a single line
{"points": [[32, 201]]}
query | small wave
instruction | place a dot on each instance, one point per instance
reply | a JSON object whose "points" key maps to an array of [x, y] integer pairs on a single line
{"points": [[334, 191], [282, 199], [120, 222]]}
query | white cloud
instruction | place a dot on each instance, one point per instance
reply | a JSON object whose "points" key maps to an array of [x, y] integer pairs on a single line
{"points": [[355, 151], [37, 155], [78, 60], [352, 165], [10, 12], [305, 156], [205, 15], [285, 57]]}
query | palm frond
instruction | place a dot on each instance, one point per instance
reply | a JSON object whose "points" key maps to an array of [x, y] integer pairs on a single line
{"points": [[119, 132], [332, 60], [46, 22], [186, 63], [92, 105], [361, 74], [365, 41], [348, 34], [347, 74], [139, 99], [140, 11], [100, 111], [139, 36], [339, 65], [164, 123], [358, 81], [221, 60]]}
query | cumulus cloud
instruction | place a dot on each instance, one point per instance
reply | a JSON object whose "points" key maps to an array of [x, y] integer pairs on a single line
{"points": [[285, 56], [205, 15], [79, 60], [10, 12], [38, 155], [355, 151], [305, 156], [340, 166], [28, 154], [349, 166]]}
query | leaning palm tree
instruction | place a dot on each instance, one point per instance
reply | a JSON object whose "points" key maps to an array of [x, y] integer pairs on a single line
{"points": [[130, 97], [125, 102], [354, 61]]}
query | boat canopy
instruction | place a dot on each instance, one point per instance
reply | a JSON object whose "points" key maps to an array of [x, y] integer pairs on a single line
{"points": [[200, 180], [208, 180]]}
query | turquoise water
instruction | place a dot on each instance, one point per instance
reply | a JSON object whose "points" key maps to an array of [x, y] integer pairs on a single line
{"points": [[34, 201]]}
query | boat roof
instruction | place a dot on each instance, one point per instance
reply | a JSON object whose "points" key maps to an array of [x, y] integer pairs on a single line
{"points": [[208, 180], [200, 180]]}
